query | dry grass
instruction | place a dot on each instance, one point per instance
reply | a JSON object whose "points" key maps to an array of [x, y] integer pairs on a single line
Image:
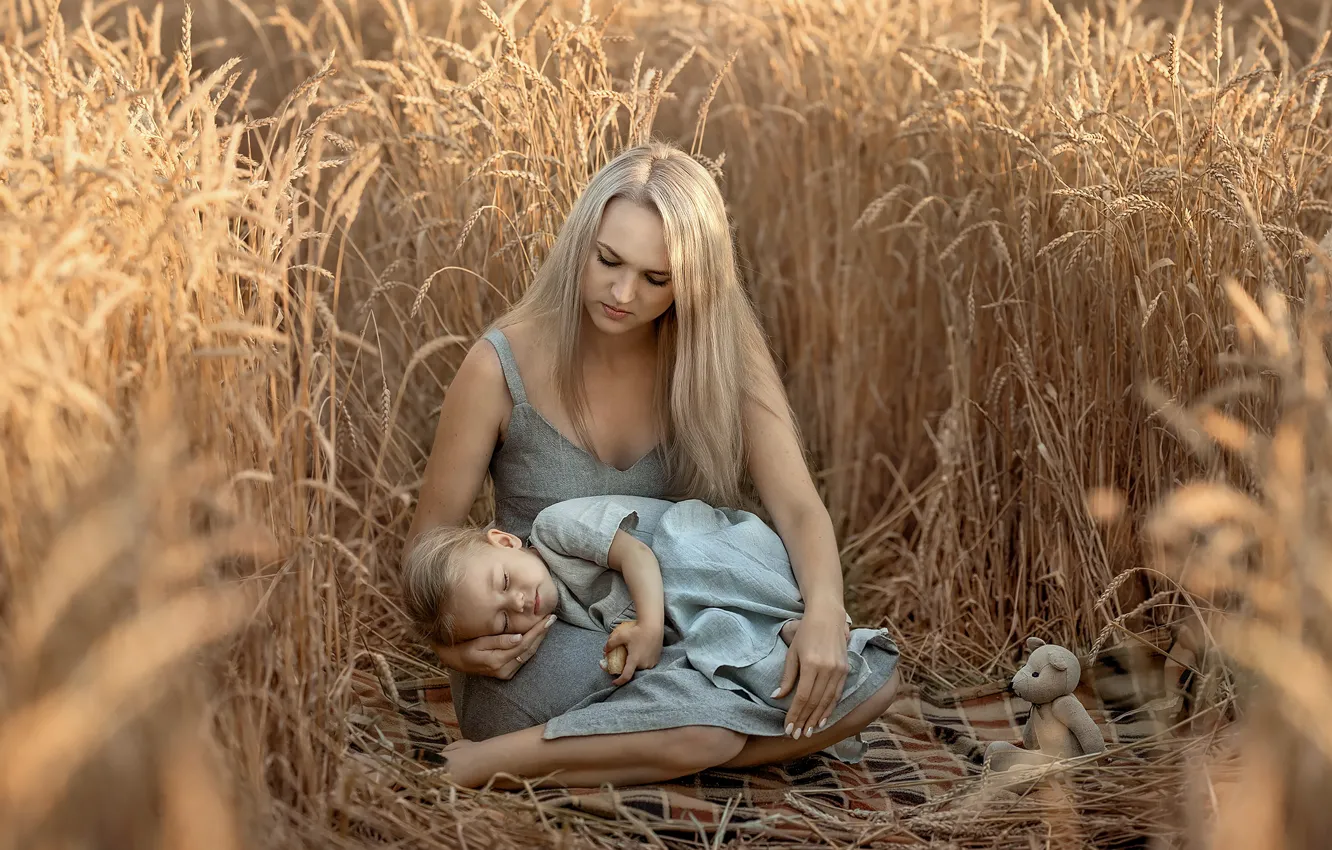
{"points": [[978, 231]]}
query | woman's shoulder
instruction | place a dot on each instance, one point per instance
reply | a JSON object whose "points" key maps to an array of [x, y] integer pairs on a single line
{"points": [[480, 376], [483, 357], [532, 349], [526, 339], [482, 372]]}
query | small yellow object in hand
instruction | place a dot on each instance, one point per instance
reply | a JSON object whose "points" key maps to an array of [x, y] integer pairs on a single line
{"points": [[619, 654]]}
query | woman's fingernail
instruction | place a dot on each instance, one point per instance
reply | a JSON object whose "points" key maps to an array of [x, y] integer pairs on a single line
{"points": [[823, 723], [789, 727], [515, 638], [775, 693], [797, 734], [550, 621], [809, 731]]}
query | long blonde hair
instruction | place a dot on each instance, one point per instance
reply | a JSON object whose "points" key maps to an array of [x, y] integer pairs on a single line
{"points": [[711, 351]]}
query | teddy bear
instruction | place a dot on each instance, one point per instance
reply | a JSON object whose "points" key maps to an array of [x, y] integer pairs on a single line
{"points": [[1058, 727]]}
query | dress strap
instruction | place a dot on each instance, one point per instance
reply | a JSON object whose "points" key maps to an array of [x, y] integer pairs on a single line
{"points": [[512, 379]]}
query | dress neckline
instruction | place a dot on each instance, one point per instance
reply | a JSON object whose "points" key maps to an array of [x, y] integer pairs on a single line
{"points": [[558, 433]]}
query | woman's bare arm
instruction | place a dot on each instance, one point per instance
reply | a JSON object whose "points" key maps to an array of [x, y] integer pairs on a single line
{"points": [[816, 662], [470, 420], [474, 408]]}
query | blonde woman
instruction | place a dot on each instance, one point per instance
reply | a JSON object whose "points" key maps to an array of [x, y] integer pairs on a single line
{"points": [[634, 365]]}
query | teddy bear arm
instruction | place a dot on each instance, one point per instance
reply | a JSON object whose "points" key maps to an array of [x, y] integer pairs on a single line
{"points": [[1071, 713], [1029, 740]]}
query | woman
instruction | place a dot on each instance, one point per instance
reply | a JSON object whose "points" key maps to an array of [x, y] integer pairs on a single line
{"points": [[633, 365]]}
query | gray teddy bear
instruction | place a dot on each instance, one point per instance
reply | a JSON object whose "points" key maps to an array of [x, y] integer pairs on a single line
{"points": [[1058, 727]]}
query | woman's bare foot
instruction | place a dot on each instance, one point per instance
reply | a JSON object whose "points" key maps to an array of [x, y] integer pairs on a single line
{"points": [[462, 766], [517, 759]]}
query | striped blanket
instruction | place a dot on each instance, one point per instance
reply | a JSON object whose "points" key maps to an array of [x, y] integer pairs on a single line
{"points": [[925, 751]]}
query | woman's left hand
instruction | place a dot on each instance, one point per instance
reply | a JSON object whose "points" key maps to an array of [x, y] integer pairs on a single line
{"points": [[816, 666]]}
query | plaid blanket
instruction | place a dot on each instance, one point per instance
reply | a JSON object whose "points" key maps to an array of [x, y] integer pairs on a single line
{"points": [[924, 750]]}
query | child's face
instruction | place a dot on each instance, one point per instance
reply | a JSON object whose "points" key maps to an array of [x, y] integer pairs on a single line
{"points": [[505, 589]]}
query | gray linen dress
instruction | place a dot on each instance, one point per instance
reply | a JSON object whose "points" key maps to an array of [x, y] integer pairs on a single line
{"points": [[729, 588], [534, 468]]}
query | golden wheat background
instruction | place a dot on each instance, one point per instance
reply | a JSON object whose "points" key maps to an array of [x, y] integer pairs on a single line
{"points": [[1009, 254]]}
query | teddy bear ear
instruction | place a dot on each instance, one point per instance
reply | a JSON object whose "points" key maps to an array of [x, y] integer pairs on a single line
{"points": [[1059, 663], [1034, 643]]}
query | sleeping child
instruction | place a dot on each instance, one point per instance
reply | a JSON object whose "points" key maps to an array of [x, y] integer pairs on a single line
{"points": [[714, 586]]}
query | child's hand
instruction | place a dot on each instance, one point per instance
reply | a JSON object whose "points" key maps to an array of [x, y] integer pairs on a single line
{"points": [[641, 642]]}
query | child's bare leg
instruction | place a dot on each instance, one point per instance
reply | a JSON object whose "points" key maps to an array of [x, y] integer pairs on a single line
{"points": [[772, 750], [636, 758]]}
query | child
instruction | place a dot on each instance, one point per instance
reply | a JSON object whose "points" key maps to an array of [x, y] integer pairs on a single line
{"points": [[713, 587]]}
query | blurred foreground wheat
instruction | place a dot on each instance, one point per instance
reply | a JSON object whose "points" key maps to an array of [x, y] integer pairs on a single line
{"points": [[1258, 566], [105, 713], [147, 235]]}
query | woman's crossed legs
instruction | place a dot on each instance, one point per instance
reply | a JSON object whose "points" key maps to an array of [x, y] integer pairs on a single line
{"points": [[639, 758]]}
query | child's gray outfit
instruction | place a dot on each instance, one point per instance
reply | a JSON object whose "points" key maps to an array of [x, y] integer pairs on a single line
{"points": [[729, 589]]}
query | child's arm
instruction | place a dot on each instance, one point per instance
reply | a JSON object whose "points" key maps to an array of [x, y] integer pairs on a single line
{"points": [[638, 564], [632, 558]]}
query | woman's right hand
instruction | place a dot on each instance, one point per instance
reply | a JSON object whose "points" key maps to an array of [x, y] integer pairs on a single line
{"points": [[498, 656]]}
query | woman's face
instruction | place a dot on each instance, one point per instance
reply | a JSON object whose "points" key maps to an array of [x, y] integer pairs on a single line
{"points": [[627, 282]]}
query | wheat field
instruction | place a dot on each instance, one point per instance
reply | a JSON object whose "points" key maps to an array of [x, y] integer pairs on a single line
{"points": [[1044, 279]]}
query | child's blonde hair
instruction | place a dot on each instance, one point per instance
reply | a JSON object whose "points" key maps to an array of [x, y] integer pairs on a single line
{"points": [[431, 572]]}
